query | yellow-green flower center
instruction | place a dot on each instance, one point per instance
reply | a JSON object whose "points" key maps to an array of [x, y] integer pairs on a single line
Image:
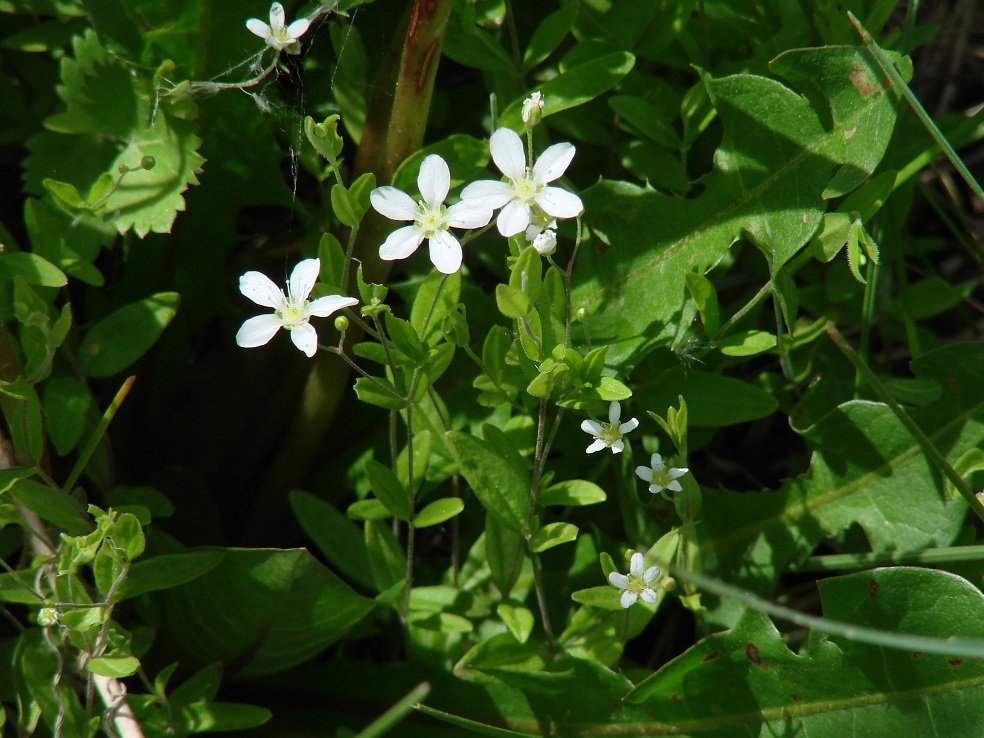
{"points": [[292, 316], [610, 433], [431, 220], [526, 189]]}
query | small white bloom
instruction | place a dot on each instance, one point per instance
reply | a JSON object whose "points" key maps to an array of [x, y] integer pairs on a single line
{"points": [[291, 311], [527, 188], [659, 477], [638, 583], [431, 220], [546, 243], [539, 222], [609, 435], [277, 34], [532, 109]]}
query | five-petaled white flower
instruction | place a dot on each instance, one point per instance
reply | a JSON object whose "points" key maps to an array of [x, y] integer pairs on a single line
{"points": [[609, 435], [659, 477], [527, 188], [431, 220], [277, 34], [291, 311], [638, 583]]}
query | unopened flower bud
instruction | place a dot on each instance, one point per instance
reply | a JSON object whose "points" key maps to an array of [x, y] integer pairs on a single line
{"points": [[532, 112], [341, 324], [581, 315], [148, 163], [546, 243]]}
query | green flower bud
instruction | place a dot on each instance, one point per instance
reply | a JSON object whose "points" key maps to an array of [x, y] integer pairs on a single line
{"points": [[48, 617], [581, 315], [148, 163], [341, 324]]}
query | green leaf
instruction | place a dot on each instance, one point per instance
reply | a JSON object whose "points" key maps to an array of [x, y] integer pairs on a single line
{"points": [[51, 505], [387, 560], [605, 598], [370, 391], [574, 86], [31, 267], [574, 492], [166, 571], [501, 489], [511, 302], [438, 511], [67, 403], [436, 298], [371, 509], [704, 294], [829, 686], [781, 155], [261, 610], [201, 717], [334, 534], [519, 620], [405, 338], [746, 343], [123, 336], [116, 667], [344, 206], [553, 534], [332, 257], [388, 488], [548, 36], [712, 399]]}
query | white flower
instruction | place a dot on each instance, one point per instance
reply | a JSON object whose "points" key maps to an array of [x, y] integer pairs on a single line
{"points": [[431, 220], [539, 222], [638, 583], [291, 311], [532, 109], [609, 435], [546, 243], [659, 477], [277, 34], [526, 188]]}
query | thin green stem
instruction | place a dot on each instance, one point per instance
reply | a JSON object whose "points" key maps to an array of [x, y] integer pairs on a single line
{"points": [[921, 438], [861, 561], [541, 596], [867, 317], [952, 646], [97, 435], [349, 249]]}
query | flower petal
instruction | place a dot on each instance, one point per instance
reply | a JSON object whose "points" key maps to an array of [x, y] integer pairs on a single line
{"points": [[302, 279], [325, 306], [644, 473], [258, 28], [619, 580], [487, 193], [629, 425], [649, 596], [401, 243], [434, 180], [507, 152], [651, 573], [655, 488], [674, 473], [393, 203], [445, 252], [596, 446], [614, 412], [628, 598], [257, 331], [305, 337], [260, 289], [618, 446], [657, 462], [467, 214], [277, 16], [559, 203], [591, 426], [637, 564], [298, 28], [553, 162], [674, 486], [513, 218]]}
